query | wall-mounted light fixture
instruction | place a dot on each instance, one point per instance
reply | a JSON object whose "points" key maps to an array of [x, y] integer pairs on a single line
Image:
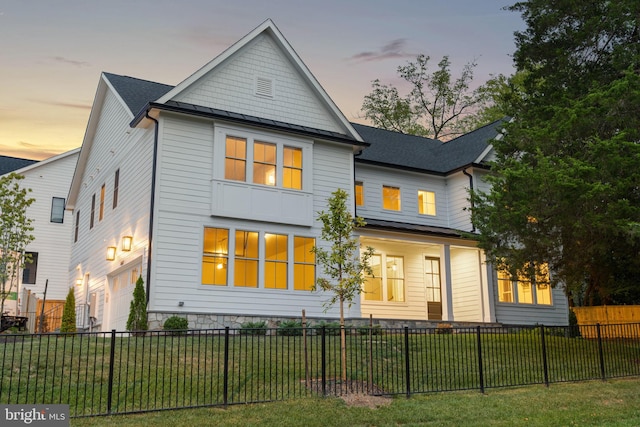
{"points": [[126, 243], [79, 281], [111, 253]]}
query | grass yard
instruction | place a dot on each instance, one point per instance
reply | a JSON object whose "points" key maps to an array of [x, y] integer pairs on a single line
{"points": [[593, 403]]}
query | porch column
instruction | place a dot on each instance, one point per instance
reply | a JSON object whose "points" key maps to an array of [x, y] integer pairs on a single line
{"points": [[447, 295], [488, 296]]}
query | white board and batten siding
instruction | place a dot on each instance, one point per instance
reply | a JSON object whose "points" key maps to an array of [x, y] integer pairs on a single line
{"points": [[192, 163], [48, 179], [115, 146]]}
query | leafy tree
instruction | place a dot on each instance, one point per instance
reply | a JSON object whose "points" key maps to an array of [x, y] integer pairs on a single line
{"points": [[343, 264], [436, 107], [15, 232], [69, 313], [137, 320], [565, 184]]}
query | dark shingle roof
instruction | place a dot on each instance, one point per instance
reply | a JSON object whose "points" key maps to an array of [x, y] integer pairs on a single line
{"points": [[136, 93], [396, 149], [10, 164]]}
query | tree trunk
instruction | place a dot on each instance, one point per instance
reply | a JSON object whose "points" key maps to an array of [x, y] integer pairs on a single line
{"points": [[343, 342]]}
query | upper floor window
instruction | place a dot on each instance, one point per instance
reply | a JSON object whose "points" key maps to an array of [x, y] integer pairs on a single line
{"points": [[426, 202], [57, 210], [93, 211], [391, 198], [235, 159], [215, 256], [304, 263], [76, 227], [359, 193], [101, 214], [292, 168], [116, 188], [264, 163]]}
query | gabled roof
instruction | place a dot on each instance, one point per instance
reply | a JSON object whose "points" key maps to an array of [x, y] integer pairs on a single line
{"points": [[136, 93], [410, 152], [35, 164], [9, 164]]}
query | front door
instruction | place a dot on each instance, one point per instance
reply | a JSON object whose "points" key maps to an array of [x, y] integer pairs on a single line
{"points": [[433, 288]]}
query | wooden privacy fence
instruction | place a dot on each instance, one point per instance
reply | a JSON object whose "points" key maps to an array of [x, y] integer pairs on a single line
{"points": [[626, 317]]}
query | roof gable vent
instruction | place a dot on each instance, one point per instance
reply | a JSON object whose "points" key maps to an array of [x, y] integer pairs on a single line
{"points": [[264, 87]]}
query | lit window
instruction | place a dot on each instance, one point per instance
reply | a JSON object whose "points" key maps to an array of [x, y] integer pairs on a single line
{"points": [[391, 198], [373, 283], [116, 188], [101, 203], [276, 260], [30, 268], [264, 163], [246, 259], [304, 263], [359, 193], [543, 287], [426, 202], [292, 168], [93, 211], [432, 279], [57, 210], [215, 256], [505, 287], [235, 159], [395, 279]]}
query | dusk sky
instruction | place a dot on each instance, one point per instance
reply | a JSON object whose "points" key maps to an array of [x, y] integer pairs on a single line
{"points": [[53, 51]]}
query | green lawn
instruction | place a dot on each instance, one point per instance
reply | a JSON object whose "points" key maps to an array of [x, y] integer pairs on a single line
{"points": [[593, 403]]}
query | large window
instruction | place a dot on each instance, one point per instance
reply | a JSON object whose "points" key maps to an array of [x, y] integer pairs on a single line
{"points": [[235, 159], [373, 282], [395, 278], [527, 290], [57, 210], [359, 193], [391, 198], [276, 261], [264, 163], [304, 263], [215, 256], [426, 202], [30, 268], [292, 168], [246, 259]]}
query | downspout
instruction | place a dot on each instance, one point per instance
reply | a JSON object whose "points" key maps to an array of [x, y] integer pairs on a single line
{"points": [[464, 171], [153, 199]]}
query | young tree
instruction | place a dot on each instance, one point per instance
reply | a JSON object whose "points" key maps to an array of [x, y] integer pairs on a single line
{"points": [[565, 180], [69, 313], [15, 232], [344, 263], [437, 106], [137, 320]]}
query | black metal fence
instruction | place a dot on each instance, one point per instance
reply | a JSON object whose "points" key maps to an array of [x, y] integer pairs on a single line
{"points": [[117, 372]]}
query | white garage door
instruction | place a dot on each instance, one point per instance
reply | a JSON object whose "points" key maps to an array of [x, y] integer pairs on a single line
{"points": [[121, 294]]}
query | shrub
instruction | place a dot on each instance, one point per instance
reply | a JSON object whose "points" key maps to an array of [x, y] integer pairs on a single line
{"points": [[253, 328], [375, 330], [176, 324], [290, 328], [69, 313], [330, 328], [137, 320]]}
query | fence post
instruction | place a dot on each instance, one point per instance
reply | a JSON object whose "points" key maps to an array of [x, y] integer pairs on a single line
{"points": [[225, 386], [601, 353], [112, 356], [406, 361], [544, 356], [323, 360], [480, 372]]}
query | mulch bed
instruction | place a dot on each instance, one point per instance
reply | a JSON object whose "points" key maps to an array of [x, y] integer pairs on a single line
{"points": [[352, 392]]}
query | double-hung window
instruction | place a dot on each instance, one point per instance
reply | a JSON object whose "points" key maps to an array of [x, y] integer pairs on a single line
{"points": [[215, 256], [235, 161], [304, 263], [386, 283], [264, 163], [391, 198], [359, 187], [426, 202], [524, 289], [57, 210], [276, 261], [246, 259], [292, 168]]}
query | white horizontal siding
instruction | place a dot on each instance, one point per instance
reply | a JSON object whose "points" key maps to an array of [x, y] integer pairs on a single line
{"points": [[459, 215], [531, 314], [231, 87], [466, 285]]}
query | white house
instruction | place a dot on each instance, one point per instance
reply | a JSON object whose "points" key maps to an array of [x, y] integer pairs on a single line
{"points": [[210, 190], [49, 182]]}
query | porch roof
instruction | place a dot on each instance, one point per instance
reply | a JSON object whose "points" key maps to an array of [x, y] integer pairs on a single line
{"points": [[379, 224]]}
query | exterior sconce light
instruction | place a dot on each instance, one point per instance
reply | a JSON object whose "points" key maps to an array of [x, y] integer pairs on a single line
{"points": [[111, 253], [79, 281], [126, 243]]}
